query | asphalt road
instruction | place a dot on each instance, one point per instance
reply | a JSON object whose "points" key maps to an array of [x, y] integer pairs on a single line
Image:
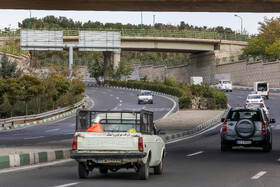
{"points": [[104, 98], [195, 161]]}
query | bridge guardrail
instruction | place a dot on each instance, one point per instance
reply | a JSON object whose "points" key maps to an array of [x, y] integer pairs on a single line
{"points": [[12, 120], [149, 33]]}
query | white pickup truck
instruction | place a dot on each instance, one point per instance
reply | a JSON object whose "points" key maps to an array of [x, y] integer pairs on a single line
{"points": [[129, 140]]}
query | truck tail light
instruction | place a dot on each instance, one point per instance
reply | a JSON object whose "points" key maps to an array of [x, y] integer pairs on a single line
{"points": [[263, 127], [74, 146], [221, 85], [224, 127], [261, 100], [267, 93], [140, 144], [256, 92], [247, 101]]}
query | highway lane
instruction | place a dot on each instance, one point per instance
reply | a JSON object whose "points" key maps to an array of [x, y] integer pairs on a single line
{"points": [[195, 161], [104, 99]]}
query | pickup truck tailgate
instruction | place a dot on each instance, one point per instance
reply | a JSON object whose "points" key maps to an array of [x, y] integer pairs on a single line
{"points": [[107, 141]]}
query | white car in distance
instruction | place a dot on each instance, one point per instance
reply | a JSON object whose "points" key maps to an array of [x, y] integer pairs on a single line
{"points": [[145, 96], [259, 105], [224, 85], [254, 98]]}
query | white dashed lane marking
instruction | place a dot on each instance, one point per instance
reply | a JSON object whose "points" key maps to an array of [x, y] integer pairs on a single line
{"points": [[193, 154], [272, 98], [66, 185], [277, 127], [111, 95], [259, 175], [52, 130], [121, 101], [34, 137], [117, 98], [132, 94]]}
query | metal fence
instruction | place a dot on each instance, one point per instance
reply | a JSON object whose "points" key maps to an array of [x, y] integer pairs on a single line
{"points": [[149, 33]]}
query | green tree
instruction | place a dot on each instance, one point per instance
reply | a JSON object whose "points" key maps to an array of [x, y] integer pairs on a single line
{"points": [[8, 69], [255, 47], [77, 87], [96, 70], [123, 71], [13, 92], [3, 87], [30, 87], [269, 30], [56, 86], [273, 50]]}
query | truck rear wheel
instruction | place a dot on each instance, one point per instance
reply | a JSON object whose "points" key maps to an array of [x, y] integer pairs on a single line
{"points": [[159, 169], [83, 173], [143, 171]]}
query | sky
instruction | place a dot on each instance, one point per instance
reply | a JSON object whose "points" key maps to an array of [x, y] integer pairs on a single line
{"points": [[10, 18]]}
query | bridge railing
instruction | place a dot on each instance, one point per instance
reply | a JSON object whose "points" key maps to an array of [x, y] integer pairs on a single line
{"points": [[149, 33]]}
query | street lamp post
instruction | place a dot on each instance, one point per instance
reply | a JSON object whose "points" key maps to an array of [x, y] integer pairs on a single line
{"points": [[141, 20], [241, 22], [154, 20], [30, 20]]}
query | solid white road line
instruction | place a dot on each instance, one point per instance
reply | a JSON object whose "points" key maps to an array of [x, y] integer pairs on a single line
{"points": [[70, 184], [174, 105], [260, 174], [189, 137], [197, 153], [34, 137], [52, 130]]}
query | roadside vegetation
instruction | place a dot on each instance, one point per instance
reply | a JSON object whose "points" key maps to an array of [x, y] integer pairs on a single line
{"points": [[25, 94], [190, 96], [265, 45]]}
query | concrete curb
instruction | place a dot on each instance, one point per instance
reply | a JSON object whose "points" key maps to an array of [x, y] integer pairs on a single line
{"points": [[194, 130], [16, 160]]}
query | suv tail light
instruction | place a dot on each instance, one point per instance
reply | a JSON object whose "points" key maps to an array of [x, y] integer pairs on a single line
{"points": [[256, 92], [263, 127], [221, 85], [224, 127], [267, 93], [261, 100], [140, 144], [247, 101], [74, 146]]}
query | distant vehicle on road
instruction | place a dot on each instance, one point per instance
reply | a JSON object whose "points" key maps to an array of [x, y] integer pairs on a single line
{"points": [[117, 139], [254, 98], [224, 85], [248, 127], [262, 88], [196, 80], [259, 105], [145, 96]]}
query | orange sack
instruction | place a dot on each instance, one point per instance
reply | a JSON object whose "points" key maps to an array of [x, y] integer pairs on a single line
{"points": [[95, 128]]}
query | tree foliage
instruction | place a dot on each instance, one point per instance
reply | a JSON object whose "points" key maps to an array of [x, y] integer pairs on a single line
{"points": [[267, 43], [96, 70], [8, 69]]}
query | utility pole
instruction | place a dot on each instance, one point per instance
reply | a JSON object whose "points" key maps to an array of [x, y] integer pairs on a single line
{"points": [[30, 27]]}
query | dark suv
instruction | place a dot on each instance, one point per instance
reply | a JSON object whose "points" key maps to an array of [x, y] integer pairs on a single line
{"points": [[248, 127]]}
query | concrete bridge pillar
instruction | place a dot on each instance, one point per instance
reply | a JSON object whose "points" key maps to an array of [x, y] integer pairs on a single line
{"points": [[117, 59], [107, 62]]}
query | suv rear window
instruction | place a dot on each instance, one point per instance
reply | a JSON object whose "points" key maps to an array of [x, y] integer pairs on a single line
{"points": [[244, 114], [226, 82]]}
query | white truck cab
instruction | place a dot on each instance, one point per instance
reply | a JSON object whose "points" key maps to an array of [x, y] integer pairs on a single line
{"points": [[262, 88], [128, 139]]}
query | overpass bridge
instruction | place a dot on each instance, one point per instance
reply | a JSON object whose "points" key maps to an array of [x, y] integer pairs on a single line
{"points": [[147, 5]]}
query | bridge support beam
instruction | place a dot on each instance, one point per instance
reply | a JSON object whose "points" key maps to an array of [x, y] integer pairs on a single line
{"points": [[107, 62], [117, 59]]}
